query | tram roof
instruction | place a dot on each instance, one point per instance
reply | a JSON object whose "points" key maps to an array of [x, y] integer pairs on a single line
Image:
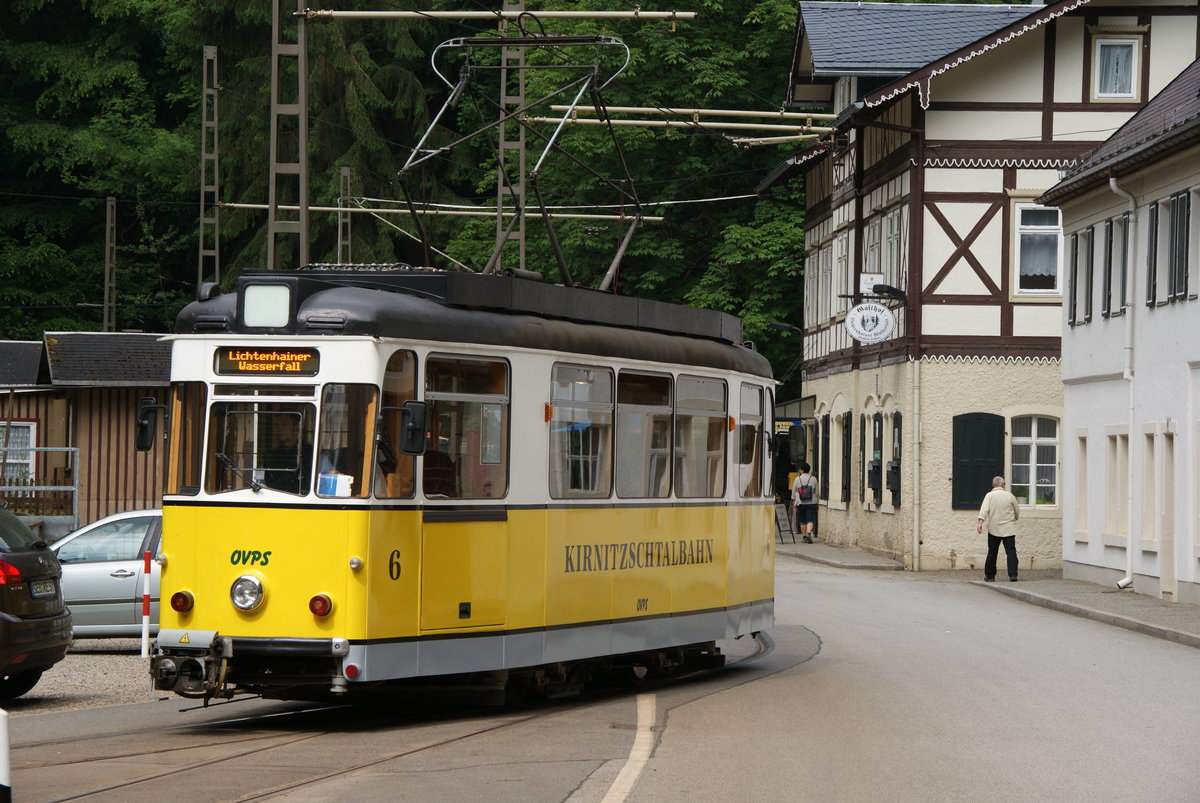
{"points": [[486, 309]]}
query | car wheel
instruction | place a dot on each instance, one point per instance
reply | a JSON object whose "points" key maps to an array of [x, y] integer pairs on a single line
{"points": [[14, 685]]}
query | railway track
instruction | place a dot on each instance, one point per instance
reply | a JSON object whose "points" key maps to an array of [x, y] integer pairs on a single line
{"points": [[261, 755]]}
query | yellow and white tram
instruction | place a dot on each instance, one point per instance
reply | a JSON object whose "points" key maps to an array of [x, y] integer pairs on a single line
{"points": [[386, 475]]}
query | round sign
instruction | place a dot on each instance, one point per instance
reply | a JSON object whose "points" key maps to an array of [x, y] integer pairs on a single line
{"points": [[870, 322]]}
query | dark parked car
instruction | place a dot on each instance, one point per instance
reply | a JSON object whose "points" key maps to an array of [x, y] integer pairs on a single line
{"points": [[35, 627]]}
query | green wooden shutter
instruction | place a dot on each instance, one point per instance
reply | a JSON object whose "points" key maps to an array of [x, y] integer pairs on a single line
{"points": [[978, 456]]}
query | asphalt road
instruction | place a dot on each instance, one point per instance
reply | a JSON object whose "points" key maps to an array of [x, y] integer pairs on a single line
{"points": [[880, 686]]}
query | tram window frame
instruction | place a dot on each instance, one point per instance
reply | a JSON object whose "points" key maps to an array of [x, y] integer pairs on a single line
{"points": [[268, 465], [345, 439], [189, 401], [688, 483], [750, 441], [468, 470], [396, 472], [581, 458], [644, 462]]}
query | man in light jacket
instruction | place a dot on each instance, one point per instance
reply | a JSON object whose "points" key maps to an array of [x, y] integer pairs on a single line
{"points": [[999, 513]]}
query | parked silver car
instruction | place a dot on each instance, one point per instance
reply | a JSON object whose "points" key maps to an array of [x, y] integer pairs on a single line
{"points": [[103, 567]]}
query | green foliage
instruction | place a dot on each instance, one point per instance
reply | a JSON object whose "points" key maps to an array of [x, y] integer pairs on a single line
{"points": [[104, 100]]}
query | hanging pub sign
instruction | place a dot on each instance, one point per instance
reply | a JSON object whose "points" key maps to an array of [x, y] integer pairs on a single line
{"points": [[870, 322]]}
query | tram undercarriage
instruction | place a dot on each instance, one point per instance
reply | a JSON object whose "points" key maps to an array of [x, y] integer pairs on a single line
{"points": [[222, 672]]}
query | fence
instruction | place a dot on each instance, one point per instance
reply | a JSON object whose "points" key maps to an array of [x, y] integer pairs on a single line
{"points": [[50, 493]]}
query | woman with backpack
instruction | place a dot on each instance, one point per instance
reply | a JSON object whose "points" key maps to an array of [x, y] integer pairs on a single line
{"points": [[804, 500]]}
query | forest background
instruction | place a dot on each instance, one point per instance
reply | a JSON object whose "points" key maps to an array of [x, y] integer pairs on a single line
{"points": [[103, 98]]}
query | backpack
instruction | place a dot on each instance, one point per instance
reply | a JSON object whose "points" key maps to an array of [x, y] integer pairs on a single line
{"points": [[806, 491]]}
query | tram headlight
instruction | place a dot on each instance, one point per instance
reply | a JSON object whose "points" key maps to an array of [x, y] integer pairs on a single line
{"points": [[246, 592]]}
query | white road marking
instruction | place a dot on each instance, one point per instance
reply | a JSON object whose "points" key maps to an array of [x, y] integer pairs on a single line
{"points": [[639, 753]]}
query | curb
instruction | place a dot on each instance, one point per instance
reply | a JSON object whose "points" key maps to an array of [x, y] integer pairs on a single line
{"points": [[1104, 617], [841, 564]]}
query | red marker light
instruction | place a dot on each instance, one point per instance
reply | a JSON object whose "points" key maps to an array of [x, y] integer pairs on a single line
{"points": [[320, 605], [351, 671], [9, 575], [182, 601]]}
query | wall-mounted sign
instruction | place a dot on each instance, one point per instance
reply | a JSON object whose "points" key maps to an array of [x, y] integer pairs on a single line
{"points": [[870, 322], [867, 282], [239, 360]]}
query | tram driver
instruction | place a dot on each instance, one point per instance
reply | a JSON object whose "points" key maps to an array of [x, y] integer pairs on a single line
{"points": [[286, 458]]}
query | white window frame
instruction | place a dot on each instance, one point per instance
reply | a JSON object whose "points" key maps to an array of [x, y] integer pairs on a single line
{"points": [[1019, 230], [826, 294], [1034, 442], [841, 270], [874, 246], [21, 460], [1098, 45], [893, 242]]}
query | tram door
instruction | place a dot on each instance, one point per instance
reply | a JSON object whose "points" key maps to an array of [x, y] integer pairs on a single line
{"points": [[465, 531]]}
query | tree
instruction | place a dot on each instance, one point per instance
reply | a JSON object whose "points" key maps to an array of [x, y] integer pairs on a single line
{"points": [[105, 101]]}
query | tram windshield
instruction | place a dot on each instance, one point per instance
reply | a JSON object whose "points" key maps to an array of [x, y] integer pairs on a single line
{"points": [[260, 444]]}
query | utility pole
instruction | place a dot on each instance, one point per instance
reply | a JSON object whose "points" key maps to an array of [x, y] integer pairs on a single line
{"points": [[343, 252], [210, 229], [511, 151], [289, 133], [110, 265]]}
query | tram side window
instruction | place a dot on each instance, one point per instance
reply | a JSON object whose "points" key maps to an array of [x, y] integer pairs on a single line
{"points": [[395, 472], [269, 443], [186, 440], [581, 432], [643, 435], [700, 415], [750, 439], [345, 437], [467, 453]]}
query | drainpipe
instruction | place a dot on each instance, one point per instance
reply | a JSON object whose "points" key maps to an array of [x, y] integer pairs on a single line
{"points": [[1130, 240]]}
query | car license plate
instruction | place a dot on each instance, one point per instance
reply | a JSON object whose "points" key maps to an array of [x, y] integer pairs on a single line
{"points": [[42, 588]]}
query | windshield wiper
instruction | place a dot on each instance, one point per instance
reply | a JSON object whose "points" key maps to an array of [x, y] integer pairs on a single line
{"points": [[254, 484]]}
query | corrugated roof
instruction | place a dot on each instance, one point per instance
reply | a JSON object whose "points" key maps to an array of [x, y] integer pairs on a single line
{"points": [[19, 361], [1171, 120], [108, 358], [895, 38]]}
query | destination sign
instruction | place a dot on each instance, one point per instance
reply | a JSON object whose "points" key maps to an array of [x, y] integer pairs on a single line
{"points": [[240, 361]]}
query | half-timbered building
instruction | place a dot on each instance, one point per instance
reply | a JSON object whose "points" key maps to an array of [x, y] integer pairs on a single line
{"points": [[1131, 351], [953, 120]]}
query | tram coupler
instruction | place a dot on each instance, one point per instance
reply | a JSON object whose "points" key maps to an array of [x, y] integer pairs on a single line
{"points": [[194, 672]]}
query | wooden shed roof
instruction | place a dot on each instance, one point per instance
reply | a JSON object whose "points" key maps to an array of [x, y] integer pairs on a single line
{"points": [[107, 359], [19, 361]]}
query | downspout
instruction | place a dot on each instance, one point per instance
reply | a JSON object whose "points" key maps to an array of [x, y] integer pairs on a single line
{"points": [[1130, 240]]}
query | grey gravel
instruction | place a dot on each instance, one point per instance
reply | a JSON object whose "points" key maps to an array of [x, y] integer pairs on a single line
{"points": [[95, 672]]}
